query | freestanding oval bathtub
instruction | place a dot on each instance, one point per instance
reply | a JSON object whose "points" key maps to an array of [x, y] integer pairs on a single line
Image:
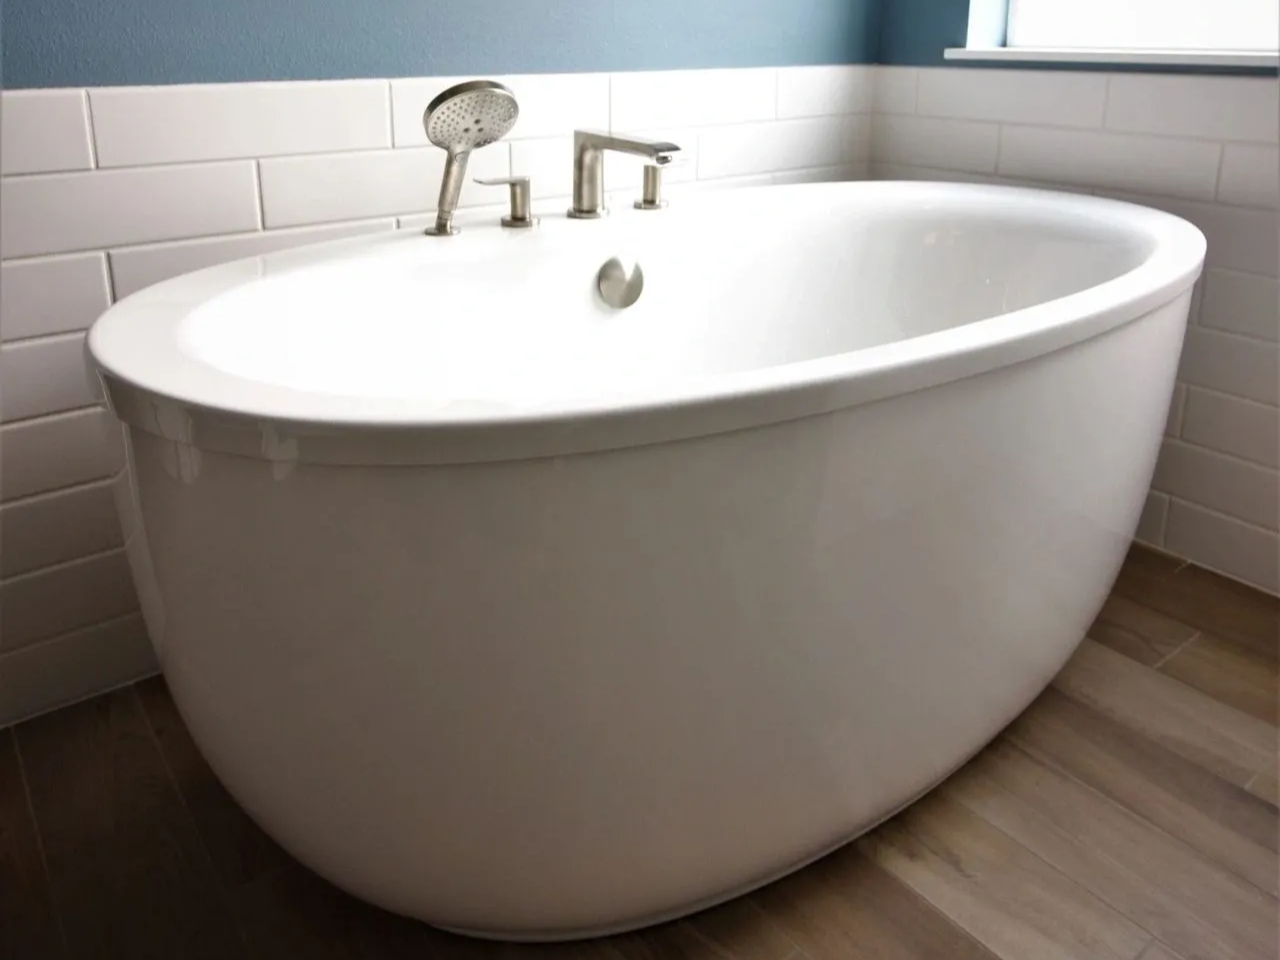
{"points": [[535, 619]]}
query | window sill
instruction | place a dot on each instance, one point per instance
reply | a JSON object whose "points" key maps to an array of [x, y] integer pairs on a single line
{"points": [[1182, 58]]}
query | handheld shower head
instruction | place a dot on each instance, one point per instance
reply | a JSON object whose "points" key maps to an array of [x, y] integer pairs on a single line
{"points": [[461, 119]]}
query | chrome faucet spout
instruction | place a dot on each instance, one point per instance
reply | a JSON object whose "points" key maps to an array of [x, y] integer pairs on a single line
{"points": [[589, 148]]}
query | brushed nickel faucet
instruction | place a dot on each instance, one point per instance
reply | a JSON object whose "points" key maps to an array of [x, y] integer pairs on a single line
{"points": [[589, 147]]}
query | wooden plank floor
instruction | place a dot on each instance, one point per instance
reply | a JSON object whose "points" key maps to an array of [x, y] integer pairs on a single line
{"points": [[1129, 813]]}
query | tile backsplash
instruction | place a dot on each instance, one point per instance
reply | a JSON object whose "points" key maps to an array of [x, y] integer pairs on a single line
{"points": [[1204, 148], [106, 191]]}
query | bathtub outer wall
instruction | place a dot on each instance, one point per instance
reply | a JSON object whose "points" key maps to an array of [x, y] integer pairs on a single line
{"points": [[538, 699]]}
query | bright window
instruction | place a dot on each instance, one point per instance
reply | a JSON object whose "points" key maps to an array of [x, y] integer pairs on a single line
{"points": [[1226, 25]]}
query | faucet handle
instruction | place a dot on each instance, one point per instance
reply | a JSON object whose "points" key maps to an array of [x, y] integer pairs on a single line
{"points": [[520, 215], [651, 194]]}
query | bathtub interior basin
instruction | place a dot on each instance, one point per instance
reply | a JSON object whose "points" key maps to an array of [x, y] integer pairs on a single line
{"points": [[508, 324], [537, 619]]}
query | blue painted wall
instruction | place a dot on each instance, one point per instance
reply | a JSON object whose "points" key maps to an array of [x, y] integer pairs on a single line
{"points": [[917, 31], [50, 43]]}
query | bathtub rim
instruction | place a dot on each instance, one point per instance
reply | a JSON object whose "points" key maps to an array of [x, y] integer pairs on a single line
{"points": [[372, 431]]}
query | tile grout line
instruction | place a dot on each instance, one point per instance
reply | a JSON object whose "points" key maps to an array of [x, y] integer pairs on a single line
{"points": [[66, 488], [60, 565], [391, 114], [423, 148], [1165, 508], [1220, 515], [74, 701], [35, 825], [1241, 336], [1219, 173], [90, 129], [134, 614], [171, 164], [40, 338], [1180, 647], [259, 206], [1213, 390], [109, 276], [53, 494], [52, 415], [1180, 413]]}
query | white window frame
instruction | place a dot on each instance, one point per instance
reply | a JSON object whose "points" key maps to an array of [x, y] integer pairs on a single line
{"points": [[988, 20]]}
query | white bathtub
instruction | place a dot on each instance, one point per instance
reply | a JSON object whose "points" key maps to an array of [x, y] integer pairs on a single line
{"points": [[537, 620]]}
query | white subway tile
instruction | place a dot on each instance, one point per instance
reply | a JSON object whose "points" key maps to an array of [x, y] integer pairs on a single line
{"points": [[1241, 303], [1239, 238], [1177, 168], [894, 89], [1214, 108], [905, 171], [946, 144], [899, 171], [1228, 546], [52, 295], [822, 175], [1044, 97], [694, 187], [1227, 424], [69, 597], [134, 268], [60, 671], [42, 131], [1227, 363], [104, 208], [547, 163], [44, 376], [1151, 524], [1177, 407], [58, 451], [57, 527], [658, 100], [1250, 176], [351, 186], [133, 126], [755, 148], [823, 91], [551, 105], [1242, 490]]}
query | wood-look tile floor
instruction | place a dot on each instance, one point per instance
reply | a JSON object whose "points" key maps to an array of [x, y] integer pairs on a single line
{"points": [[1129, 813]]}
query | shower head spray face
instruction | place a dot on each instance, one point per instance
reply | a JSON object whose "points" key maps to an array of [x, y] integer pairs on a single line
{"points": [[461, 119], [470, 115]]}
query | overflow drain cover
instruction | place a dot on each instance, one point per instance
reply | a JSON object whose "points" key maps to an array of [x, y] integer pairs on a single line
{"points": [[620, 282]]}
